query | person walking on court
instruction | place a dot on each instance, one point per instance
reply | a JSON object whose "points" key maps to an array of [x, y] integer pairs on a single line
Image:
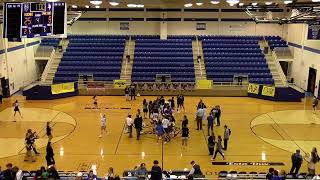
{"points": [[49, 132], [16, 108], [49, 155], [296, 160], [211, 143], [312, 161], [103, 125], [218, 149], [129, 122], [195, 170], [210, 124], [95, 102], [199, 117], [138, 125], [315, 104], [156, 171], [226, 136], [145, 108]]}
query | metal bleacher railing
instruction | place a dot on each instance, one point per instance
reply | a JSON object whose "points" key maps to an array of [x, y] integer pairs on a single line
{"points": [[279, 69]]}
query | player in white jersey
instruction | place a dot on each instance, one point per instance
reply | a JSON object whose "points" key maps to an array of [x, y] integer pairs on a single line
{"points": [[103, 124]]}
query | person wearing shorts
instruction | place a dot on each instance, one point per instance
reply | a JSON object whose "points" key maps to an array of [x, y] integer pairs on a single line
{"points": [[185, 136], [103, 124], [159, 131], [49, 132], [16, 108]]}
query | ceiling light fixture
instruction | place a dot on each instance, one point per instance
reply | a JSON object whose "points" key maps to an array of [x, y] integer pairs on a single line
{"points": [[268, 3], [232, 2], [188, 5], [214, 2], [241, 4], [135, 5], [74, 6], [315, 0], [199, 3], [254, 3], [52, 0], [114, 3], [96, 2], [97, 7], [287, 1], [86, 6]]}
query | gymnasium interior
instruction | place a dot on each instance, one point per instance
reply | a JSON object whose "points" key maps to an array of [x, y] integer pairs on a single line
{"points": [[257, 60]]}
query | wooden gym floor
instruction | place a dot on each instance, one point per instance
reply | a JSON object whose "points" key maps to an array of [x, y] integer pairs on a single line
{"points": [[262, 131]]}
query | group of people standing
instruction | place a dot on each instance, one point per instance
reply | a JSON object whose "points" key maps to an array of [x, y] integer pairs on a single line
{"points": [[130, 91], [297, 160], [214, 145]]}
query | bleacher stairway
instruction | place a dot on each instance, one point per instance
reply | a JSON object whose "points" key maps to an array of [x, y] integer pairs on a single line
{"points": [[53, 64], [279, 79], [126, 66], [199, 67]]}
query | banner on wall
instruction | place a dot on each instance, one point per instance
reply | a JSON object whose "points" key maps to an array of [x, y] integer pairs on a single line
{"points": [[201, 26], [204, 84], [62, 88], [253, 88], [119, 84], [268, 91], [124, 26], [314, 31]]}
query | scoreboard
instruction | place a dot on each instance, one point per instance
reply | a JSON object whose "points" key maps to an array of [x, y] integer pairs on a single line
{"points": [[34, 19]]}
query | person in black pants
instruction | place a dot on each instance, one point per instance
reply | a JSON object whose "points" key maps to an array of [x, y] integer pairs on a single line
{"points": [[211, 143], [156, 171], [218, 115], [49, 155], [210, 124], [297, 160], [138, 125], [133, 92]]}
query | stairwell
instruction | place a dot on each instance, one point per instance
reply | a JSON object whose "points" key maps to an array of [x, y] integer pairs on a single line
{"points": [[199, 66], [53, 64], [274, 66], [126, 68]]}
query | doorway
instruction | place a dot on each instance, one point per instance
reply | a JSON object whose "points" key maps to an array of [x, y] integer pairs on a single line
{"points": [[312, 80], [284, 66]]}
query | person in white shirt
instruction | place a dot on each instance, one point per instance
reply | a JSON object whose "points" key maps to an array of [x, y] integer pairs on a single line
{"points": [[103, 124], [166, 124], [312, 161], [129, 123]]}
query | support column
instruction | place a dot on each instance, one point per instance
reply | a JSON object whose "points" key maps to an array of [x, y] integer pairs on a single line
{"points": [[163, 26]]}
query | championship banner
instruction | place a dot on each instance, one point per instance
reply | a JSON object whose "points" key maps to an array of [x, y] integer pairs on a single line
{"points": [[268, 91], [204, 84], [253, 88], [62, 88], [119, 84]]}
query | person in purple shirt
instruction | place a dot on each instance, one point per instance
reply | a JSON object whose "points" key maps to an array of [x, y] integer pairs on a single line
{"points": [[159, 131]]}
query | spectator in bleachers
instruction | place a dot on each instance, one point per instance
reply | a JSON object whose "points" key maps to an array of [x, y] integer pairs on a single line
{"points": [[138, 125], [129, 123], [142, 172], [53, 173], [79, 176], [210, 120], [276, 176], [218, 149], [110, 174], [226, 136], [312, 161], [1, 174], [195, 170], [199, 117], [211, 143], [50, 155], [91, 176], [156, 171], [8, 173], [270, 174], [17, 173], [145, 108], [296, 160]]}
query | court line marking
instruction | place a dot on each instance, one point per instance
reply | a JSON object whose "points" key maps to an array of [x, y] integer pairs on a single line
{"points": [[122, 132]]}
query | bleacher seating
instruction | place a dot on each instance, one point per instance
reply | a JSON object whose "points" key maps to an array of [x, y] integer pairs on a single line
{"points": [[275, 41], [97, 55], [154, 56], [50, 42], [226, 56]]}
